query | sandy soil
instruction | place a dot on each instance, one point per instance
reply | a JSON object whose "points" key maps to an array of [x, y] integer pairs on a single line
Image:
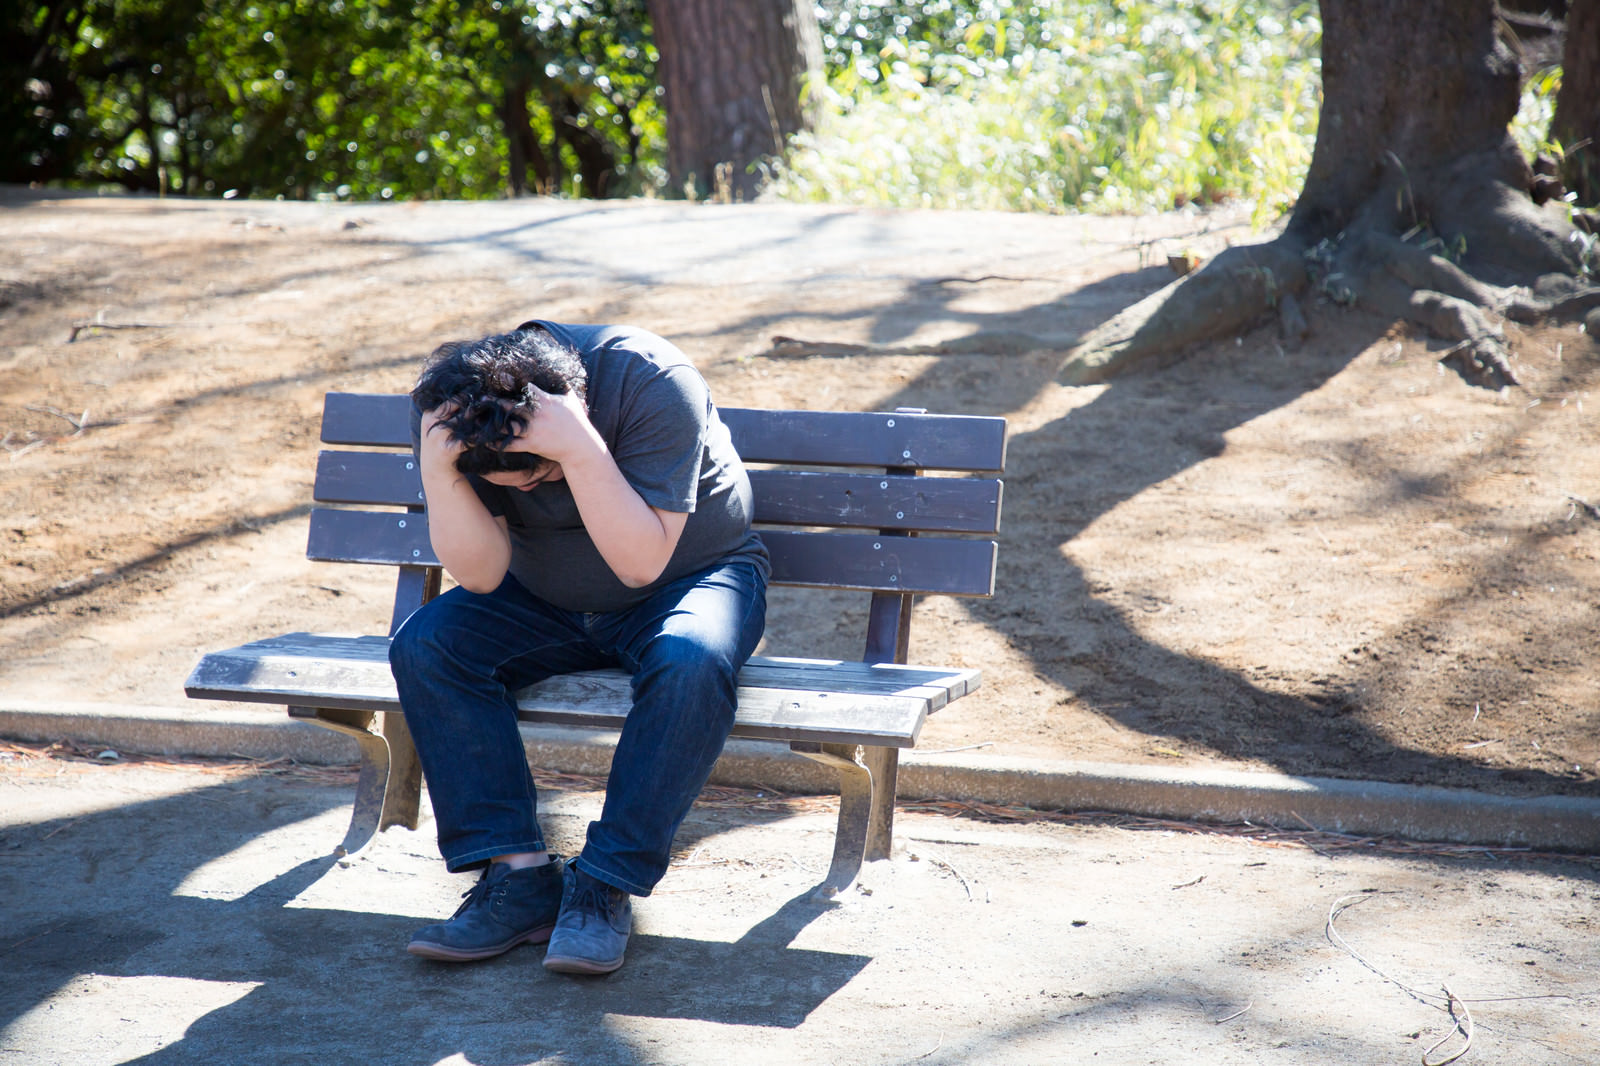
{"points": [[1336, 560]]}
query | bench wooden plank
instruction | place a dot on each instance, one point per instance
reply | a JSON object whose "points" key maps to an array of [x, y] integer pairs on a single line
{"points": [[369, 537], [854, 438], [972, 443], [877, 501], [846, 703], [911, 565], [783, 497], [368, 478]]}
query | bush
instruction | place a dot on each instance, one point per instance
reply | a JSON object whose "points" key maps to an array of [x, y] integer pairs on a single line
{"points": [[1117, 105]]}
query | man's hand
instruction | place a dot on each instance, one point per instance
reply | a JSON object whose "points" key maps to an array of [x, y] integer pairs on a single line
{"points": [[557, 428], [437, 438], [635, 539], [471, 543]]}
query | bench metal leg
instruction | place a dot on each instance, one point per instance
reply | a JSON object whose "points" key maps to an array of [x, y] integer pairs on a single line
{"points": [[866, 808], [884, 765], [389, 790]]}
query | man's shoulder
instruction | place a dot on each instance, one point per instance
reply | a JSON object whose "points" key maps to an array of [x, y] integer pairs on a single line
{"points": [[617, 340]]}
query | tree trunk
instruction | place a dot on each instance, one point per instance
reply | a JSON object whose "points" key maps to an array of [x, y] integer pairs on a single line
{"points": [[733, 72], [514, 120], [1577, 120], [1404, 94], [596, 163], [1417, 204]]}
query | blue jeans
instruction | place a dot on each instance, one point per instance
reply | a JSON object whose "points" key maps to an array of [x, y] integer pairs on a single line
{"points": [[458, 660]]}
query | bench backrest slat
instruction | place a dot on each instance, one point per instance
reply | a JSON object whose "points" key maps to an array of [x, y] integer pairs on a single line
{"points": [[368, 478], [932, 565], [876, 501], [783, 497], [965, 443], [923, 565], [920, 527], [382, 421], [878, 439]]}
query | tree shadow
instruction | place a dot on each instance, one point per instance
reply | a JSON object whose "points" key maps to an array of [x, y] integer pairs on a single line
{"points": [[335, 984], [1179, 412]]}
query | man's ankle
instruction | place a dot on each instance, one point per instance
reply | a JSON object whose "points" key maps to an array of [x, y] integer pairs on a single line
{"points": [[522, 860]]}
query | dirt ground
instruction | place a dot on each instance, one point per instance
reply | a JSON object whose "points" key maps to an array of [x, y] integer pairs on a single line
{"points": [[1336, 560]]}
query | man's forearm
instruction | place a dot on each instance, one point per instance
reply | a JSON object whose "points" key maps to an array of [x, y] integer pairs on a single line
{"points": [[470, 542], [635, 539]]}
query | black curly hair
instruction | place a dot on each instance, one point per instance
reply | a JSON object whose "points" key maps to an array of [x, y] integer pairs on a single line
{"points": [[488, 386]]}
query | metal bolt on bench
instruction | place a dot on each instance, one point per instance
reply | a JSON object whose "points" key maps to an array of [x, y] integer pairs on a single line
{"points": [[894, 533]]}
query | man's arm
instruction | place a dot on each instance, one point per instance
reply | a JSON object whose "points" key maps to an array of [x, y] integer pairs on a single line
{"points": [[634, 538], [472, 544]]}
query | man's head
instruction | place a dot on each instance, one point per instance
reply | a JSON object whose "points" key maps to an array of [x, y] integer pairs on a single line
{"points": [[488, 385]]}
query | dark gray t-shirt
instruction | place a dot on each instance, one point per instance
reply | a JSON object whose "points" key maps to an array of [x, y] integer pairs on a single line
{"points": [[654, 412]]}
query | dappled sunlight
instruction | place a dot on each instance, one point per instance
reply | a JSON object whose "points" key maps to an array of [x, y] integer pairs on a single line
{"points": [[153, 1013]]}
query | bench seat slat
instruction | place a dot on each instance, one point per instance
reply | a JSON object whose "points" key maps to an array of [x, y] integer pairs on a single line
{"points": [[849, 702], [921, 565]]}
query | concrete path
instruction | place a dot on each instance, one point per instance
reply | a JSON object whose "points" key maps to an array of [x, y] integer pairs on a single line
{"points": [[191, 914]]}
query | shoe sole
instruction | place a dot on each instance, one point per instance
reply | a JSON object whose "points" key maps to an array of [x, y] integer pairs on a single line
{"points": [[429, 949], [574, 964]]}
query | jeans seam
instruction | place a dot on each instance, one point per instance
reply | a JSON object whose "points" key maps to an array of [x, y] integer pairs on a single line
{"points": [[588, 866]]}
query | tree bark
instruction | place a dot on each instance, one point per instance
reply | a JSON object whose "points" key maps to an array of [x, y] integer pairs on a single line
{"points": [[1417, 204], [1576, 124], [1435, 85], [733, 72]]}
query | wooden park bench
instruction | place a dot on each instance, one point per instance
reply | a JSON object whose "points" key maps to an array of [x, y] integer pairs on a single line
{"points": [[843, 500]]}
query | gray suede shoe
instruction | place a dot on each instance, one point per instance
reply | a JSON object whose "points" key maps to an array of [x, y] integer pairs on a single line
{"points": [[591, 935], [505, 908]]}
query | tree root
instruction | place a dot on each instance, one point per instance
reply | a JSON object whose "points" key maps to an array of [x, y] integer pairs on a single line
{"points": [[1417, 277], [1405, 282], [1231, 293]]}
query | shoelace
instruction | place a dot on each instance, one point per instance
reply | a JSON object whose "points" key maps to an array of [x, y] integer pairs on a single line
{"points": [[476, 893], [593, 897]]}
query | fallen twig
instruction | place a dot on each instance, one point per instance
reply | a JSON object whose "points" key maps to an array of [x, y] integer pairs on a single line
{"points": [[951, 867], [1590, 509], [1236, 1013], [947, 751], [1464, 1028], [79, 327], [28, 940], [77, 424]]}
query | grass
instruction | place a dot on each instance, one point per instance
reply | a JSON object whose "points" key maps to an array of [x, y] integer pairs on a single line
{"points": [[1060, 106]]}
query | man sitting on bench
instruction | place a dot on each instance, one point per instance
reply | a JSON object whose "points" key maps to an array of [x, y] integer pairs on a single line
{"points": [[590, 506]]}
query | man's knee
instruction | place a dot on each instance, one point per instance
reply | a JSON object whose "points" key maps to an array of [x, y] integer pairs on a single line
{"points": [[688, 665], [427, 640]]}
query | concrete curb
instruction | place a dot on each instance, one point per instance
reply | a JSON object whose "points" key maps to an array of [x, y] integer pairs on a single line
{"points": [[1365, 808]]}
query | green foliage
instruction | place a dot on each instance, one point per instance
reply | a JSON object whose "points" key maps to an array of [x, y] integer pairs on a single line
{"points": [[1055, 105], [348, 98], [1059, 105]]}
